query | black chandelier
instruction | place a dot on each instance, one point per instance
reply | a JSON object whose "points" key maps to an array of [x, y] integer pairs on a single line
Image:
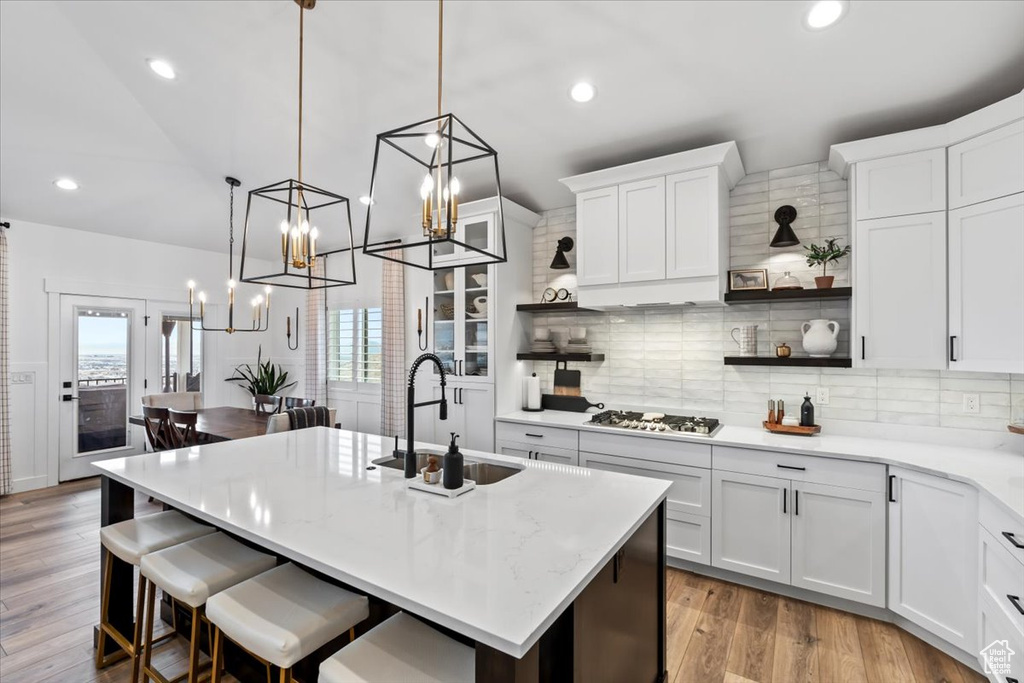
{"points": [[418, 203], [284, 212], [259, 324]]}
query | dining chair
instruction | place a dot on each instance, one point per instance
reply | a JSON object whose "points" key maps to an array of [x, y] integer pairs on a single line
{"points": [[158, 430], [183, 428], [267, 405], [295, 402]]}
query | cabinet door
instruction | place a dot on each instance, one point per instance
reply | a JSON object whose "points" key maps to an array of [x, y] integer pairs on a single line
{"points": [[987, 167], [839, 542], [641, 231], [902, 185], [996, 635], [691, 224], [558, 455], [933, 550], [597, 234], [476, 416], [475, 231], [900, 292], [750, 530], [986, 283], [514, 449]]}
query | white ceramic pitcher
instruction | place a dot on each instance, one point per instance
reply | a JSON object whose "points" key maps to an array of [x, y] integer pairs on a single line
{"points": [[820, 337], [747, 340]]}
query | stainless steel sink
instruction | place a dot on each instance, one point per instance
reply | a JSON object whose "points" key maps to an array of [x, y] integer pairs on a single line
{"points": [[483, 473]]}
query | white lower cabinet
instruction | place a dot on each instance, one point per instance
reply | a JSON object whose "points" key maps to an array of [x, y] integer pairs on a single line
{"points": [[751, 529], [688, 525], [470, 415], [933, 541], [527, 451]]}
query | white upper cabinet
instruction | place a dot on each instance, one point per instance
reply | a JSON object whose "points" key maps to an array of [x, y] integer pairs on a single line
{"points": [[902, 184], [597, 230], [900, 292], [987, 166], [692, 209], [986, 286], [642, 230]]}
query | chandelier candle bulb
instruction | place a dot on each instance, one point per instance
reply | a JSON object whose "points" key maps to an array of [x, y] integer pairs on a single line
{"points": [[284, 241], [191, 288], [313, 234], [202, 304]]}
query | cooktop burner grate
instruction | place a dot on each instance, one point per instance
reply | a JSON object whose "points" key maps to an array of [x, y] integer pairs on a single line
{"points": [[657, 422]]}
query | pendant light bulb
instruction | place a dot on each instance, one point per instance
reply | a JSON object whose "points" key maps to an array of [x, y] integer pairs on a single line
{"points": [[231, 284], [284, 227], [191, 284], [426, 187], [267, 290], [432, 140], [305, 227], [314, 233], [455, 185], [202, 297]]}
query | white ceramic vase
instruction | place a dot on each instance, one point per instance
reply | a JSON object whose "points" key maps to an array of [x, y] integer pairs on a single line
{"points": [[820, 337]]}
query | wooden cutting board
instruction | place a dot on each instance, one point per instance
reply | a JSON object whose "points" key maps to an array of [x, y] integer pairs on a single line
{"points": [[567, 382]]}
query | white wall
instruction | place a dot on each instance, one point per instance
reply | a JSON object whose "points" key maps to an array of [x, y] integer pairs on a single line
{"points": [[79, 262]]}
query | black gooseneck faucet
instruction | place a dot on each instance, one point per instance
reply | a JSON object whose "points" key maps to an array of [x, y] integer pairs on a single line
{"points": [[411, 405]]}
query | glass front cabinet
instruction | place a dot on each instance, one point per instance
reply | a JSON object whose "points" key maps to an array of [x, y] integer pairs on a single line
{"points": [[462, 321]]}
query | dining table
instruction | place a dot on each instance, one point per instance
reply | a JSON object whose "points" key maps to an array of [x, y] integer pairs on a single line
{"points": [[223, 423]]}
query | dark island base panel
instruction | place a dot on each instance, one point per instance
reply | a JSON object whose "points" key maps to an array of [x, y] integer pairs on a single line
{"points": [[613, 632]]}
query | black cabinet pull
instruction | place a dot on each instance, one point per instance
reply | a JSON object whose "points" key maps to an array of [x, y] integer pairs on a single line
{"points": [[796, 502], [951, 339], [536, 436], [1015, 601], [784, 492], [791, 467], [892, 481], [530, 457], [462, 397], [862, 347], [1011, 680], [1013, 541]]}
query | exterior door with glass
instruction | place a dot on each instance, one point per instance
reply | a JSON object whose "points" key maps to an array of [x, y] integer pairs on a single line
{"points": [[102, 372]]}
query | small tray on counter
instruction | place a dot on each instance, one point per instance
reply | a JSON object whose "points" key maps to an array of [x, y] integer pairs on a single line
{"points": [[786, 429], [573, 404], [438, 489]]}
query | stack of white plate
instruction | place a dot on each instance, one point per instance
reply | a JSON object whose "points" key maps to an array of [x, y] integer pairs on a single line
{"points": [[578, 346], [542, 346]]}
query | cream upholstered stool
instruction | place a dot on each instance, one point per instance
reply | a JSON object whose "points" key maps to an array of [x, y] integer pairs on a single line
{"points": [[281, 616], [130, 541], [403, 648], [190, 573]]}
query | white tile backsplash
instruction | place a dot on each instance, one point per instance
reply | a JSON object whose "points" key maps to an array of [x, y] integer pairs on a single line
{"points": [[671, 358]]}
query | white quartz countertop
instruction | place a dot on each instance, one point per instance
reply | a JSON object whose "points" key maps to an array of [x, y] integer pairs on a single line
{"points": [[998, 473], [498, 564]]}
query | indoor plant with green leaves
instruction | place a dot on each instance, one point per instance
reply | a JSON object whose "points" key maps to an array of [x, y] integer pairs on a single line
{"points": [[266, 378], [823, 255]]}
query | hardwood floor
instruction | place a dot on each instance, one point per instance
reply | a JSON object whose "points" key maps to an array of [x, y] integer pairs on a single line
{"points": [[717, 632]]}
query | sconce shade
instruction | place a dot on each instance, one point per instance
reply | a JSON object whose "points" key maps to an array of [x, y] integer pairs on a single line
{"points": [[559, 262], [784, 236]]}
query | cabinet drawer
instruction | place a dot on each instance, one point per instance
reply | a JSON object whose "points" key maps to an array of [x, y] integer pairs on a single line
{"points": [[994, 627], [988, 166], [867, 476], [1007, 528], [1002, 579], [647, 448], [691, 486], [537, 435], [561, 456], [688, 537]]}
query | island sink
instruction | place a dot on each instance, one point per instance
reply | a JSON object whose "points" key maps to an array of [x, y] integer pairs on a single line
{"points": [[483, 473]]}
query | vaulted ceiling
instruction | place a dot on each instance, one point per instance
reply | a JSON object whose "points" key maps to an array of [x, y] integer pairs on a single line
{"points": [[77, 98]]}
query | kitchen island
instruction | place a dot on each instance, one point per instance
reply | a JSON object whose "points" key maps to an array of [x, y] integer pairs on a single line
{"points": [[556, 573]]}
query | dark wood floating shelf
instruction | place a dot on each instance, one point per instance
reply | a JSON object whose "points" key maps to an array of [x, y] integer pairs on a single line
{"points": [[798, 362], [576, 357], [764, 296], [554, 307]]}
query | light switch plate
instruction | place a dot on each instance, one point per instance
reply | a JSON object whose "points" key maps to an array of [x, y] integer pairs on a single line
{"points": [[822, 396], [971, 403]]}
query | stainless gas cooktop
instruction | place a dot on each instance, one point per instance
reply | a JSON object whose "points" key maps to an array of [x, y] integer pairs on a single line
{"points": [[657, 422]]}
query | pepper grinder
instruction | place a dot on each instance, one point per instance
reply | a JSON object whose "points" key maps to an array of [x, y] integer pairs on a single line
{"points": [[452, 476]]}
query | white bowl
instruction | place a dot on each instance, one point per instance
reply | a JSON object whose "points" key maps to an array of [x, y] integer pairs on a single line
{"points": [[542, 333], [577, 333]]}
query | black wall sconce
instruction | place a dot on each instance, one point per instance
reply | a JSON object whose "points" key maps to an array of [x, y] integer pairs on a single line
{"points": [[559, 262], [784, 236], [288, 330]]}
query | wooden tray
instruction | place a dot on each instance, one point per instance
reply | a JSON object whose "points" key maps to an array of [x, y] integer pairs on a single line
{"points": [[798, 431], [1016, 429]]}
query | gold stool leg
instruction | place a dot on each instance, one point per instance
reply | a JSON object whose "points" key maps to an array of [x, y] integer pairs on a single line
{"points": [[108, 572], [140, 614], [147, 652], [286, 675], [193, 650], [217, 654]]}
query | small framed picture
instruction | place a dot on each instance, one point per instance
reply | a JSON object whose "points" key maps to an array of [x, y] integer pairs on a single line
{"points": [[742, 280]]}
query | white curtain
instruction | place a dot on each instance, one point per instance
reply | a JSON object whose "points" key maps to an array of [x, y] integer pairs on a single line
{"points": [[392, 390], [316, 341], [5, 416]]}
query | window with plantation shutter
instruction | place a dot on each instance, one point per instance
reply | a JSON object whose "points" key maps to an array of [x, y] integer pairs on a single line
{"points": [[354, 345]]}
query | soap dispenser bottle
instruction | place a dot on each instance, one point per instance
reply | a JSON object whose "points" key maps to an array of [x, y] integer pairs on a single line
{"points": [[807, 412], [452, 476]]}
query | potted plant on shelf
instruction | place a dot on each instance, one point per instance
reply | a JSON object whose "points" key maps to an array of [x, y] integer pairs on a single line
{"points": [[822, 256], [265, 378]]}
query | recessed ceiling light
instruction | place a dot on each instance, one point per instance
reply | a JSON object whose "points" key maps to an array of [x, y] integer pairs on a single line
{"points": [[824, 13], [582, 92], [162, 68], [66, 184], [365, 200]]}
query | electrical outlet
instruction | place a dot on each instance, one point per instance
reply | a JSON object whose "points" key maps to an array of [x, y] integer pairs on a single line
{"points": [[971, 403], [822, 397]]}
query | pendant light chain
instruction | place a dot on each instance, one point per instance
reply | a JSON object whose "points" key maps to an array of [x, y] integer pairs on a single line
{"points": [[302, 16], [440, 43], [231, 233]]}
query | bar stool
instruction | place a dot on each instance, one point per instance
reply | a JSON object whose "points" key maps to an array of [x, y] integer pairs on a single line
{"points": [[282, 616], [402, 648], [190, 573], [130, 541]]}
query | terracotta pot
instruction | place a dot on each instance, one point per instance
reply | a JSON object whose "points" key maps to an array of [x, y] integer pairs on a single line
{"points": [[824, 281]]}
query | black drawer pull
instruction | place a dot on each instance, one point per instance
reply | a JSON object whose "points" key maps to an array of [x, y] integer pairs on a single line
{"points": [[784, 496], [951, 356], [1013, 541], [862, 348], [536, 436], [892, 481], [796, 502], [791, 467], [1015, 601]]}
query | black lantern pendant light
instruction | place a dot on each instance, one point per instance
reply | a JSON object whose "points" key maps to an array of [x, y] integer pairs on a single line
{"points": [[259, 324], [559, 262], [282, 214], [421, 174], [784, 236]]}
